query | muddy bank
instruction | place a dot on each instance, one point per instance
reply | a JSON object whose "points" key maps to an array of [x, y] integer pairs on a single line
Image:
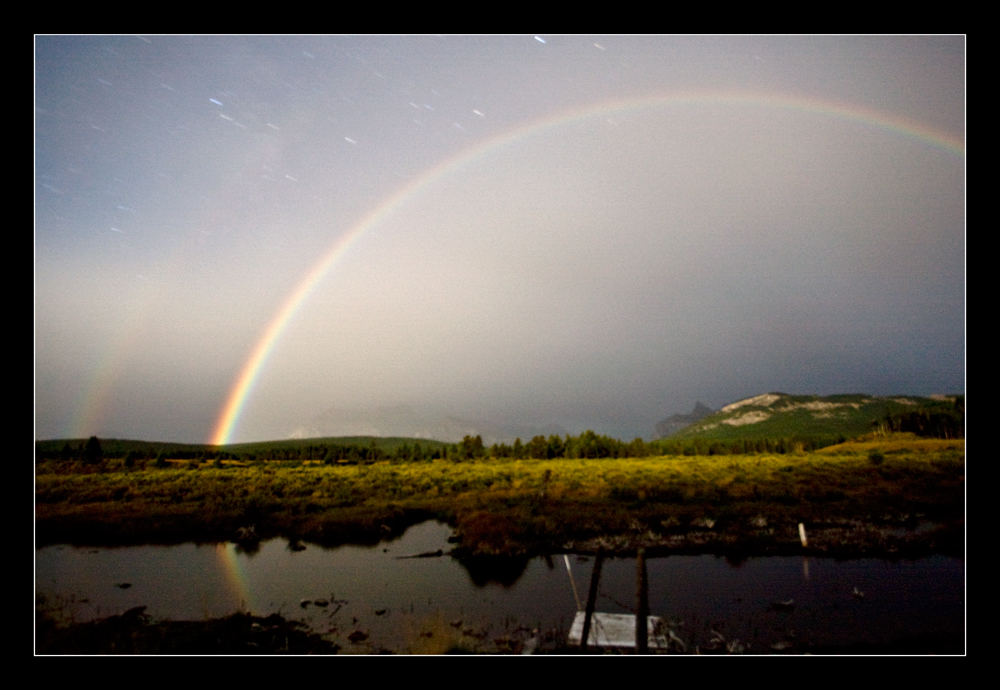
{"points": [[504, 536], [844, 538], [133, 632]]}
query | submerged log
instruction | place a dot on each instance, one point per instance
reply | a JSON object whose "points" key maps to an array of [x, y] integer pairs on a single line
{"points": [[425, 554]]}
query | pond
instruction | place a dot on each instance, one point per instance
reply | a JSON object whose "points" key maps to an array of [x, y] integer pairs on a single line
{"points": [[370, 598]]}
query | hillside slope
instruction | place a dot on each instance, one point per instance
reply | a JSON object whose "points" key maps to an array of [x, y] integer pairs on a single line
{"points": [[779, 415]]}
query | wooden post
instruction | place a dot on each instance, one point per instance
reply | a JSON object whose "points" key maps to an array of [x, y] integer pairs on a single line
{"points": [[572, 582], [591, 599], [642, 607]]}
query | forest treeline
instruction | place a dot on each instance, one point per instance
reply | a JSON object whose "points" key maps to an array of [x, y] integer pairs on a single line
{"points": [[944, 419], [586, 445]]}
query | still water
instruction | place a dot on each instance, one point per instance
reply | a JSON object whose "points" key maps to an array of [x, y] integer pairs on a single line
{"points": [[404, 604]]}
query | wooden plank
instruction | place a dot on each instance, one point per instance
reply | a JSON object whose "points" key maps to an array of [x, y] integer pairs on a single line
{"points": [[615, 630]]}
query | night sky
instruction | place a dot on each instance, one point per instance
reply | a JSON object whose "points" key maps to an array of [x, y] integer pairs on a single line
{"points": [[594, 232]]}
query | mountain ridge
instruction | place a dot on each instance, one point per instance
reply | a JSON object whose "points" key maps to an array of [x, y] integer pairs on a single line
{"points": [[674, 423], [778, 414]]}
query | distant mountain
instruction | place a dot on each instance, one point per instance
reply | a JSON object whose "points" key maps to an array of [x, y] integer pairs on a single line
{"points": [[779, 415], [671, 425], [403, 421]]}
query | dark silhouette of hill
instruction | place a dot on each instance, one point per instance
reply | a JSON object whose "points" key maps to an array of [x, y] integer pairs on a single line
{"points": [[403, 421], [671, 425]]}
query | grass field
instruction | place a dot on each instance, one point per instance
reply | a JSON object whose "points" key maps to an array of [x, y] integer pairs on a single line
{"points": [[869, 495]]}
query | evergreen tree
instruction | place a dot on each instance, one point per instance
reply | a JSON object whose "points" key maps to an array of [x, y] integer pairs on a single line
{"points": [[92, 454], [518, 450], [538, 448]]}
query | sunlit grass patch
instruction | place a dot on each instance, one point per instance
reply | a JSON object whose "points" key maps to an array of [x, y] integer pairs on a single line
{"points": [[896, 443]]}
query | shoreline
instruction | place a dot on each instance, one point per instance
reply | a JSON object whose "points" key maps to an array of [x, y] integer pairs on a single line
{"points": [[838, 538]]}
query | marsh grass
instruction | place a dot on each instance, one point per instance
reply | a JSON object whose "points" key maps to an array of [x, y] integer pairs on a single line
{"points": [[497, 505]]}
